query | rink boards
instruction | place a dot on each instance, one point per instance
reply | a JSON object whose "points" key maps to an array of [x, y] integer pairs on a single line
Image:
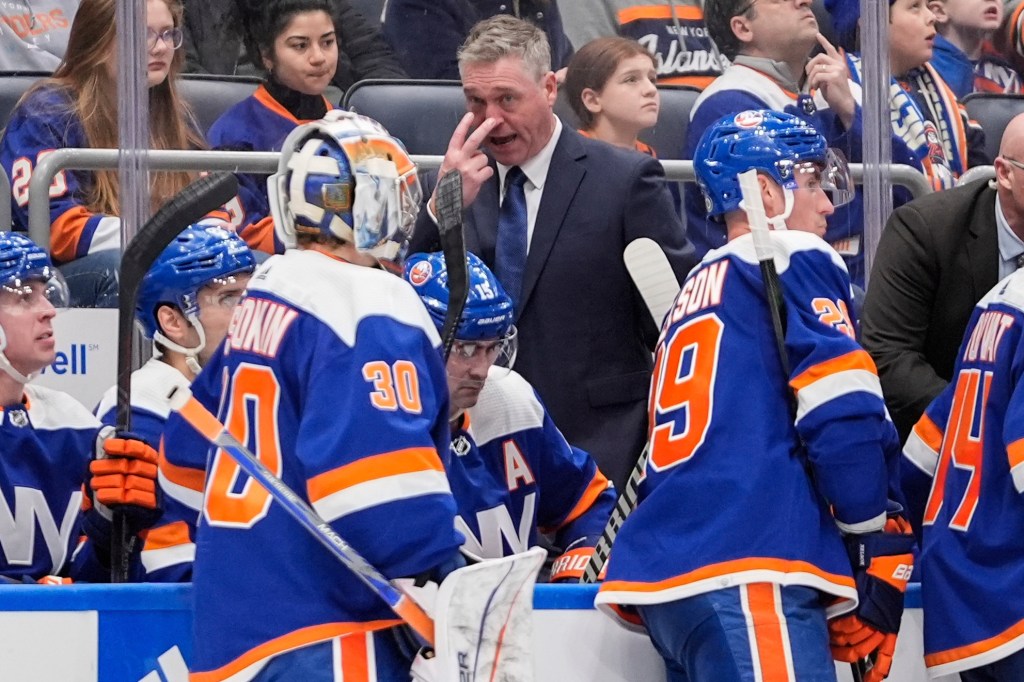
{"points": [[142, 633]]}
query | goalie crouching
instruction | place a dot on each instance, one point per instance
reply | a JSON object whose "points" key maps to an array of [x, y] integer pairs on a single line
{"points": [[511, 470]]}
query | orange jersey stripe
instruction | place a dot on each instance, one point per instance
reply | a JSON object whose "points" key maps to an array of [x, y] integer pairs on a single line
{"points": [[65, 233], [171, 535], [187, 477], [293, 640], [1015, 452], [727, 568], [631, 14], [976, 649], [355, 665], [767, 633], [699, 82], [269, 102], [928, 432], [259, 235], [854, 360], [406, 461]]}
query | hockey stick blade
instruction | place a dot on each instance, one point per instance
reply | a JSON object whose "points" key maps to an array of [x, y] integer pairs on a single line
{"points": [[449, 224], [188, 206], [652, 274], [203, 421]]}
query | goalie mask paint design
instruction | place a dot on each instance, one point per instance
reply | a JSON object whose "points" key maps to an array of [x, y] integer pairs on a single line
{"points": [[345, 176]]}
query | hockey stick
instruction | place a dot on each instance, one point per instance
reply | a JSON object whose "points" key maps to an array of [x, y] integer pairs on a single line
{"points": [[188, 206], [654, 278], [765, 252], [203, 421], [449, 225]]}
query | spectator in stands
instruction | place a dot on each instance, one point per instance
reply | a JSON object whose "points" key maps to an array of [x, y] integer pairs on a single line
{"points": [[672, 30], [964, 55], [34, 35], [611, 87], [298, 48], [937, 257], [550, 212], [76, 108], [927, 118], [426, 34], [215, 42], [1007, 41]]}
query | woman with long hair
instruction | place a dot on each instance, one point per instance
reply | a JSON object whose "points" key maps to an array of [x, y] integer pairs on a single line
{"points": [[77, 107], [295, 43]]}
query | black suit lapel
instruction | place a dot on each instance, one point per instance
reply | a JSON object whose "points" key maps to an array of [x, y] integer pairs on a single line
{"points": [[482, 228], [983, 248]]}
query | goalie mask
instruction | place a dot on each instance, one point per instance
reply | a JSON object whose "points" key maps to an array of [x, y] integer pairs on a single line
{"points": [[487, 320], [203, 254], [29, 285], [346, 177], [781, 146]]}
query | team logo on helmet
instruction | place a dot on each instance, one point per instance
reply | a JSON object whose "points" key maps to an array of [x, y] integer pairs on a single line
{"points": [[749, 119], [420, 273], [337, 196]]}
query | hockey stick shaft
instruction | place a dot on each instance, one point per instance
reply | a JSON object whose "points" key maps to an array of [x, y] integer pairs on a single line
{"points": [[654, 278], [765, 252], [203, 421], [188, 206], [449, 224]]}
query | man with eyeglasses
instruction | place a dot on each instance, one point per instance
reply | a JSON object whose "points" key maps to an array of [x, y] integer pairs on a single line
{"points": [[937, 257], [185, 305], [511, 470], [34, 33]]}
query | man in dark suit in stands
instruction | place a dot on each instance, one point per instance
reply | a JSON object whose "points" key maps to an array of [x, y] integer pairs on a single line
{"points": [[551, 212], [937, 257]]}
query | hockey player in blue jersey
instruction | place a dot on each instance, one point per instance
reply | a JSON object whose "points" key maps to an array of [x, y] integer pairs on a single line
{"points": [[763, 520], [332, 373], [963, 476], [184, 304], [512, 472]]}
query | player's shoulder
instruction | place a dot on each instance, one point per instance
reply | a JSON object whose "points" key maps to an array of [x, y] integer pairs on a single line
{"points": [[51, 409], [790, 247], [507, 405], [151, 384], [1008, 292]]}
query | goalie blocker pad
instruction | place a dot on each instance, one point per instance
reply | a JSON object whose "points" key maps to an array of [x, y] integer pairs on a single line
{"points": [[483, 620]]}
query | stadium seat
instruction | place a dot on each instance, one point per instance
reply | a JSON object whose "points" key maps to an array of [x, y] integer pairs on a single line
{"points": [[993, 112], [371, 9], [13, 85], [212, 95], [421, 113], [668, 136]]}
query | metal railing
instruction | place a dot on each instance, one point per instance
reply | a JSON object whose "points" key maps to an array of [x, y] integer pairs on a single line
{"points": [[266, 162], [5, 200]]}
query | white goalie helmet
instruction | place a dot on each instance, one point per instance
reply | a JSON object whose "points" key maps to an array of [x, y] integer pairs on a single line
{"points": [[345, 176]]}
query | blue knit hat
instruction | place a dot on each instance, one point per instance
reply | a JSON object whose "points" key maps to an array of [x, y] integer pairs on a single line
{"points": [[845, 15]]}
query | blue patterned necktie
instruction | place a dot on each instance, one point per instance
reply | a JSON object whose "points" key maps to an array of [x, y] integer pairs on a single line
{"points": [[510, 251]]}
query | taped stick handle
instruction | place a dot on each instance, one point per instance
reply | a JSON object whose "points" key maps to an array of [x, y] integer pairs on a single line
{"points": [[203, 421]]}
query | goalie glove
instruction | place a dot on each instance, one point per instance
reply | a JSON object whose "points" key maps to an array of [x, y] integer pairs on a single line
{"points": [[882, 564]]}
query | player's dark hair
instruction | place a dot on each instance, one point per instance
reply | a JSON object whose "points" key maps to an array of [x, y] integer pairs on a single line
{"points": [[263, 21], [718, 16], [591, 68]]}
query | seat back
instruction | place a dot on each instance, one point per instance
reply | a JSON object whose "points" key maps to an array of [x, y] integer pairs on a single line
{"points": [[212, 95], [667, 138], [371, 9], [13, 85], [421, 113], [993, 112]]}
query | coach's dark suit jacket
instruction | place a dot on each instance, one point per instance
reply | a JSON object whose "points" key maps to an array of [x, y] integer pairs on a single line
{"points": [[585, 336], [937, 257]]}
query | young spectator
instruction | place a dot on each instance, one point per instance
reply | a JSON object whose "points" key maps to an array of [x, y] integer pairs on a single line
{"points": [[611, 87], [963, 476], [780, 507], [426, 34], [927, 119], [47, 439], [184, 304], [964, 55], [34, 36], [76, 107], [298, 48], [216, 41], [672, 30], [333, 372], [511, 469]]}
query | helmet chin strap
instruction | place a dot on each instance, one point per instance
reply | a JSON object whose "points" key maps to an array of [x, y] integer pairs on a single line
{"points": [[191, 354], [6, 365], [779, 222]]}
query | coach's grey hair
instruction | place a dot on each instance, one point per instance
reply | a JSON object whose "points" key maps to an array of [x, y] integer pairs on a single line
{"points": [[506, 36]]}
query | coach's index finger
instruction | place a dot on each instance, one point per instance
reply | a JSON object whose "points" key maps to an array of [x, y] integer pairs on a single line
{"points": [[477, 137], [829, 48]]}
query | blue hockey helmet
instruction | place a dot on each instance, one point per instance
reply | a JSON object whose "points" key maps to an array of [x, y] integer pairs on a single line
{"points": [[202, 254], [345, 176], [771, 142]]}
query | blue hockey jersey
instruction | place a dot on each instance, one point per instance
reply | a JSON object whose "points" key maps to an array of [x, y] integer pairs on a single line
{"points": [[46, 443], [963, 475], [168, 548], [257, 123], [331, 373], [730, 495], [512, 470]]}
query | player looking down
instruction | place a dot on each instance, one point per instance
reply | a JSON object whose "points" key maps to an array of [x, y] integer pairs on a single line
{"points": [[331, 373], [770, 514], [185, 303], [512, 472]]}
